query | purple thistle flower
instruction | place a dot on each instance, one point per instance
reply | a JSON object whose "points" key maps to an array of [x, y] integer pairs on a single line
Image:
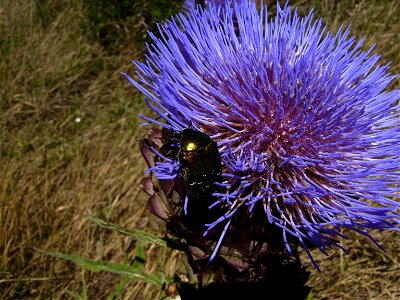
{"points": [[306, 131]]}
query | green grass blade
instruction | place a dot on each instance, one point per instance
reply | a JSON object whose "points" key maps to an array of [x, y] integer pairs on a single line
{"points": [[119, 288], [75, 295], [140, 257]]}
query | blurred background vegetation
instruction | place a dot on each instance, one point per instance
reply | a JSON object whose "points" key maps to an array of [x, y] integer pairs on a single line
{"points": [[68, 144]]}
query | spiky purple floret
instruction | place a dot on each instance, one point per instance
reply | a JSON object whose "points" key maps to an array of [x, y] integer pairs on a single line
{"points": [[300, 114]]}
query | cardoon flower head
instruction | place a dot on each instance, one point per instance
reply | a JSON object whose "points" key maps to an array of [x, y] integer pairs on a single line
{"points": [[307, 134]]}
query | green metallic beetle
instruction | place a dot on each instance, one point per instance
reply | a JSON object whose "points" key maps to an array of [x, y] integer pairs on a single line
{"points": [[200, 170], [200, 163]]}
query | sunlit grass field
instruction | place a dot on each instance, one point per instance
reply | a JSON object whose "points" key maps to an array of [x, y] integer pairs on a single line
{"points": [[68, 146]]}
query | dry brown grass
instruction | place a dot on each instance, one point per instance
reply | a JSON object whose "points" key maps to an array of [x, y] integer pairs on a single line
{"points": [[366, 273], [55, 68], [53, 168]]}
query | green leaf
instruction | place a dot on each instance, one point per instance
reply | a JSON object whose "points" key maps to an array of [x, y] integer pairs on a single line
{"points": [[310, 296], [98, 265], [135, 233], [140, 235]]}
